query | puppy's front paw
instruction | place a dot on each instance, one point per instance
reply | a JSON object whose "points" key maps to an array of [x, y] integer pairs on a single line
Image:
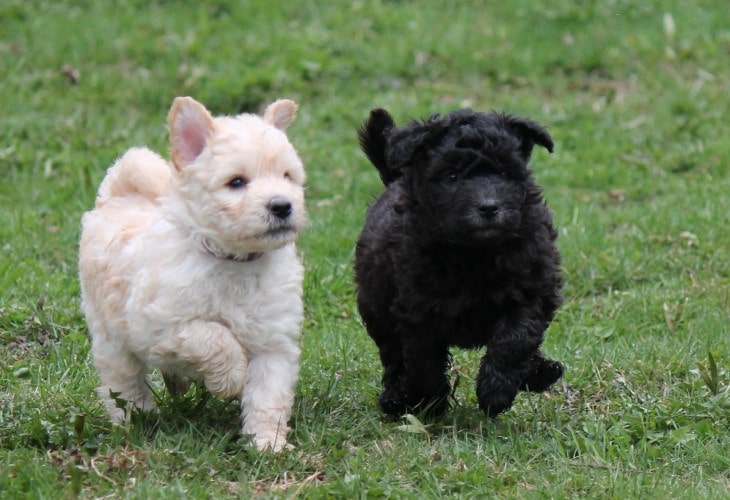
{"points": [[496, 395], [495, 403], [272, 443], [543, 374], [396, 404], [226, 385], [393, 403]]}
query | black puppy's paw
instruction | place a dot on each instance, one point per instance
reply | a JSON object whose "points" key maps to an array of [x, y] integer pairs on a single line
{"points": [[494, 398], [395, 403], [544, 373], [495, 403]]}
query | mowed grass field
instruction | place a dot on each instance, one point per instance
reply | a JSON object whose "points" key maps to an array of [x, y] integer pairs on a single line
{"points": [[635, 96]]}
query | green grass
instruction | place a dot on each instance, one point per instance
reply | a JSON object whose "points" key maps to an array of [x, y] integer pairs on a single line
{"points": [[638, 182]]}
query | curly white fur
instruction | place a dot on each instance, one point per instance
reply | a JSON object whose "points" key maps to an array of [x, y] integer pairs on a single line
{"points": [[187, 270]]}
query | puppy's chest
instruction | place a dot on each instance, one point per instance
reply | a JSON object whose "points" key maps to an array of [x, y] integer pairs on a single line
{"points": [[460, 285], [239, 300], [465, 297], [464, 318]]}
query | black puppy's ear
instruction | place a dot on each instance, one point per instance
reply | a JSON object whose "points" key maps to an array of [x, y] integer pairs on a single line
{"points": [[530, 133], [373, 137]]}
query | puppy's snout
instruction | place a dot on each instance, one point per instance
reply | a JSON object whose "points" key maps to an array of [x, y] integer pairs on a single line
{"points": [[489, 207], [280, 207]]}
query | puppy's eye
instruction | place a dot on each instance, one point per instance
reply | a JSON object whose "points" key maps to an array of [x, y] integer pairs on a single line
{"points": [[287, 176], [237, 182], [451, 177]]}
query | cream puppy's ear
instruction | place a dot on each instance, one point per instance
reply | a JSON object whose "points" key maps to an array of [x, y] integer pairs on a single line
{"points": [[190, 126], [280, 113]]}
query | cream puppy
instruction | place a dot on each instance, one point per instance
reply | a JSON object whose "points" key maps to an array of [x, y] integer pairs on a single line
{"points": [[190, 266]]}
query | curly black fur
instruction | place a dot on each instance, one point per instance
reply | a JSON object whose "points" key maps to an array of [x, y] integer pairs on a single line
{"points": [[458, 251]]}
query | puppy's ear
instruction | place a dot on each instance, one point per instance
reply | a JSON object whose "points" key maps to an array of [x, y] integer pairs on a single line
{"points": [[280, 113], [530, 133], [373, 137], [190, 126]]}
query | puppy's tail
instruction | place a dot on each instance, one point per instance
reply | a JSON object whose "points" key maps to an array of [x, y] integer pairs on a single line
{"points": [[138, 172]]}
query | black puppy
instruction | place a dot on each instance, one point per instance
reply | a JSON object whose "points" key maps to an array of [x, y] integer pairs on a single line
{"points": [[458, 251]]}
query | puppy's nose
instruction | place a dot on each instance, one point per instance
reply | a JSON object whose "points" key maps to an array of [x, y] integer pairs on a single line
{"points": [[280, 207], [489, 207]]}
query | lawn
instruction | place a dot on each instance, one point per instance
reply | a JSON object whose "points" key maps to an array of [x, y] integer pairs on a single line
{"points": [[634, 95]]}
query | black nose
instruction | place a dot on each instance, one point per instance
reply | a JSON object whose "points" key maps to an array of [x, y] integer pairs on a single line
{"points": [[280, 207], [489, 207]]}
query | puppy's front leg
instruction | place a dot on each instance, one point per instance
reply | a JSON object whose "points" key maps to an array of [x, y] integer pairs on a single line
{"points": [[269, 395], [212, 350], [507, 362]]}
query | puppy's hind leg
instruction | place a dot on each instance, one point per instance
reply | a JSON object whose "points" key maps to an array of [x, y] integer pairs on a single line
{"points": [[423, 381], [123, 377], [392, 400]]}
